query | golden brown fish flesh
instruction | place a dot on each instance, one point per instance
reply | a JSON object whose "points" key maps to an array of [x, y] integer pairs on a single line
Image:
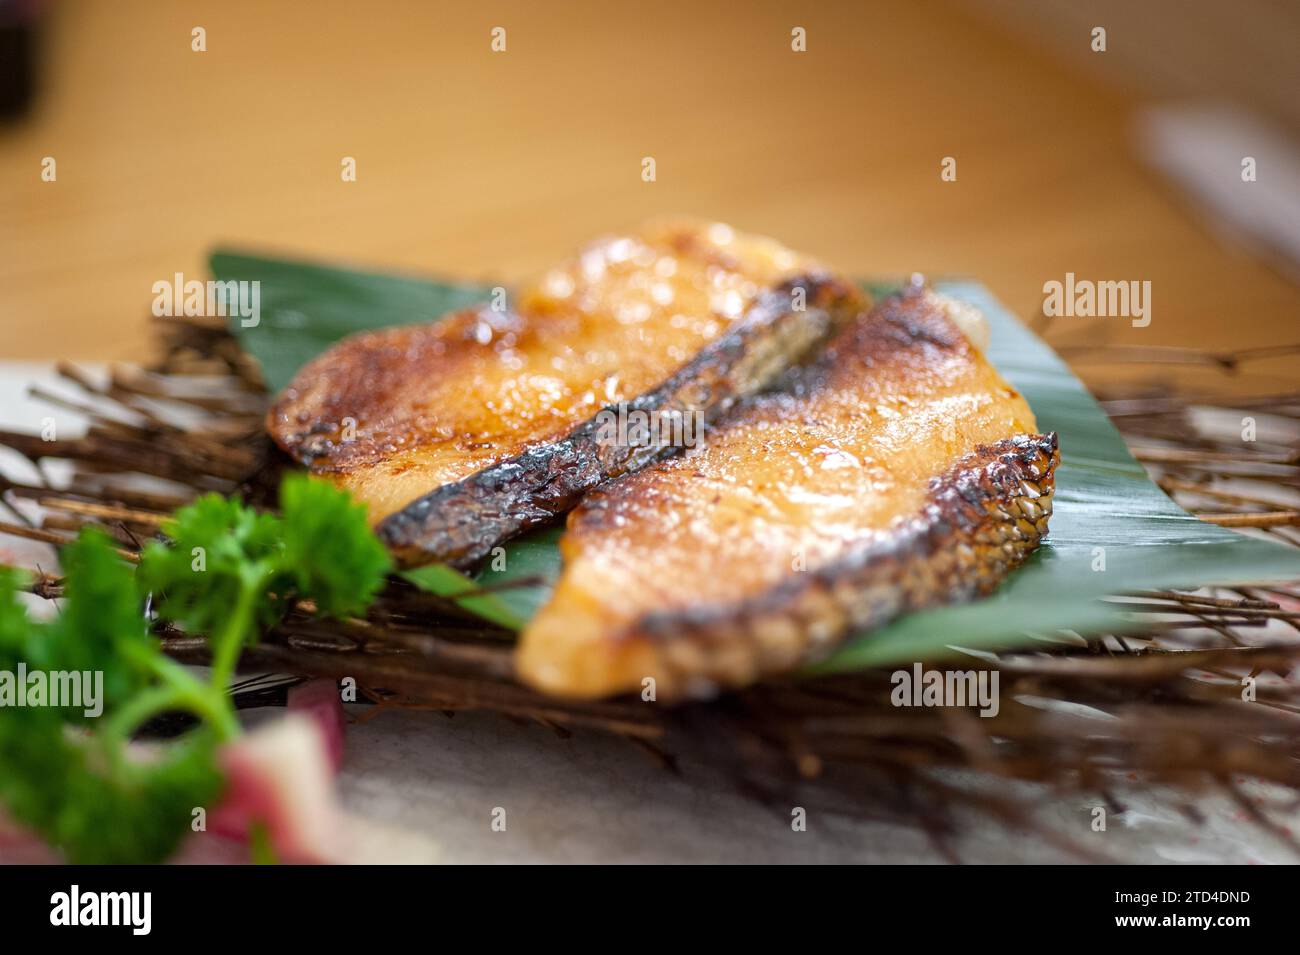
{"points": [[898, 471], [459, 433]]}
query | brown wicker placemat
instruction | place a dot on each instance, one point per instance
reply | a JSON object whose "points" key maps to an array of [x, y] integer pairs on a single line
{"points": [[1172, 686]]}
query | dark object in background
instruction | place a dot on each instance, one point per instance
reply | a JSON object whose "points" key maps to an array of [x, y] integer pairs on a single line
{"points": [[19, 20]]}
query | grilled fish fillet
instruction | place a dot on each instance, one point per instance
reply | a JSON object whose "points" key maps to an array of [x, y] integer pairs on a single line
{"points": [[459, 433], [898, 471]]}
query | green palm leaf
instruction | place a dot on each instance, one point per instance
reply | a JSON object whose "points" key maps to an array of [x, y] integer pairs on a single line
{"points": [[1112, 529]]}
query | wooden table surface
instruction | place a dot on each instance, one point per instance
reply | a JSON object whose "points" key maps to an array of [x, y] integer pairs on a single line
{"points": [[491, 165]]}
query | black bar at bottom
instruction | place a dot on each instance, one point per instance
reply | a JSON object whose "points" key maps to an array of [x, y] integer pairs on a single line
{"points": [[255, 905]]}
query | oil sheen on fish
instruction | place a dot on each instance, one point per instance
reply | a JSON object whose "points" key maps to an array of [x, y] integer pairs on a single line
{"points": [[898, 470], [461, 432]]}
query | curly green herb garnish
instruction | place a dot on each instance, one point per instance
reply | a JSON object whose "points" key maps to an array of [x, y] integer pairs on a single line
{"points": [[226, 571]]}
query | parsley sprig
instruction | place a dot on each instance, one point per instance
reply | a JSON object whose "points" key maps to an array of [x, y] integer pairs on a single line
{"points": [[224, 570]]}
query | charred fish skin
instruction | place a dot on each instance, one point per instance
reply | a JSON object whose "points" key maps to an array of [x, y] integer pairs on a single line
{"points": [[393, 414], [459, 523], [981, 520]]}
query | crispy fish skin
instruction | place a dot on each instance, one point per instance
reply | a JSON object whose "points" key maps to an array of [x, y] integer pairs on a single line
{"points": [[461, 432], [463, 521], [899, 472]]}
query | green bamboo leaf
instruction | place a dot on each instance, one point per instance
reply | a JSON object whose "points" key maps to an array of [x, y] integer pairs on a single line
{"points": [[506, 591], [468, 593], [1108, 513], [306, 307]]}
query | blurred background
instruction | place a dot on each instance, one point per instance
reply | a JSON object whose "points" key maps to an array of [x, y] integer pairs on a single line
{"points": [[1116, 164]]}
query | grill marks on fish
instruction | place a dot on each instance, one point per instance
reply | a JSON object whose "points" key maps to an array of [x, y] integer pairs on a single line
{"points": [[896, 472], [462, 432]]}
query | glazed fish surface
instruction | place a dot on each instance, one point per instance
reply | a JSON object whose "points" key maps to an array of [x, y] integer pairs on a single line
{"points": [[897, 471], [461, 432]]}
